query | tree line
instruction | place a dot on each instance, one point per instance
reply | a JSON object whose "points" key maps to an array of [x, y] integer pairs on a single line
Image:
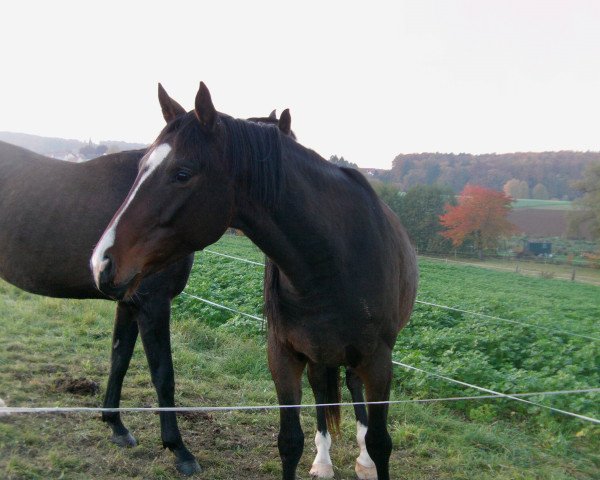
{"points": [[542, 175], [438, 220], [587, 207]]}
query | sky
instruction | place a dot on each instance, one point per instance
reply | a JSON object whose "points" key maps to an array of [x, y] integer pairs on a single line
{"points": [[363, 80]]}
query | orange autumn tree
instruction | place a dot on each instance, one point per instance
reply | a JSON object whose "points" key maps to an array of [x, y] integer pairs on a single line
{"points": [[480, 216]]}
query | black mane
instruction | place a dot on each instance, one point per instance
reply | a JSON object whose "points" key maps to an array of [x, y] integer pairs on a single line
{"points": [[255, 152]]}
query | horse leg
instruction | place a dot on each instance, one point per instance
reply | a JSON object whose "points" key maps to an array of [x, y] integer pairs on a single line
{"points": [[364, 467], [125, 334], [322, 466], [377, 377], [154, 329], [286, 369]]}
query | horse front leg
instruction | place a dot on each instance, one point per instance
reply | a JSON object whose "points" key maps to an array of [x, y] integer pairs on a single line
{"points": [[125, 334], [286, 370], [154, 329], [364, 466]]}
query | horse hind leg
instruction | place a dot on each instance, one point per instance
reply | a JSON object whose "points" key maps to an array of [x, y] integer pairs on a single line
{"points": [[377, 377], [324, 382], [364, 466], [125, 334]]}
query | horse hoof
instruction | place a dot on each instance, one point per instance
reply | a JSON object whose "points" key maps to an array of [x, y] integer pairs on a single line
{"points": [[127, 440], [365, 473], [189, 467], [321, 470]]}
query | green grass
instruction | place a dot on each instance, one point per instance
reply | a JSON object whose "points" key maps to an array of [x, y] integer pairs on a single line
{"points": [[220, 360], [543, 204]]}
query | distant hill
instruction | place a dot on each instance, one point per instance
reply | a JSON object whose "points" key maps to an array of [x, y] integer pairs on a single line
{"points": [[65, 148], [555, 171]]}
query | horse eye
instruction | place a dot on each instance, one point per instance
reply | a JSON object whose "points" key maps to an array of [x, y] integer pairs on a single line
{"points": [[182, 176]]}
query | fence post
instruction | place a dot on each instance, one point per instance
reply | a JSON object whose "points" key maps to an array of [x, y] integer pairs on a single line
{"points": [[573, 275]]}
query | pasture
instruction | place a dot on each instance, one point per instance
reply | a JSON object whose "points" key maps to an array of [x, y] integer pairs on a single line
{"points": [[220, 360]]}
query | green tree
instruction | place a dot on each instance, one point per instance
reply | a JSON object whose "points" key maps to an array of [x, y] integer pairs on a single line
{"points": [[588, 206], [419, 210], [342, 162], [540, 192], [516, 188], [390, 194]]}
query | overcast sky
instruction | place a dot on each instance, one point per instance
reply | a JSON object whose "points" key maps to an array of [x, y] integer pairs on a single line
{"points": [[366, 80]]}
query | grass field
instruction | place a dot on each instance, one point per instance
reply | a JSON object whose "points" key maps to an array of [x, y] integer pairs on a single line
{"points": [[542, 204], [529, 268], [220, 360]]}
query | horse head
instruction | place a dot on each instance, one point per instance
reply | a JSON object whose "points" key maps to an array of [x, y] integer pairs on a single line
{"points": [[183, 198]]}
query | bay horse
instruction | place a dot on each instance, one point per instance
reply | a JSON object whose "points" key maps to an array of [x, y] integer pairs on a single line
{"points": [[50, 207], [342, 274]]}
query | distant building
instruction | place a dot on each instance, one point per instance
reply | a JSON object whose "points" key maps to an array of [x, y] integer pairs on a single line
{"points": [[538, 248]]}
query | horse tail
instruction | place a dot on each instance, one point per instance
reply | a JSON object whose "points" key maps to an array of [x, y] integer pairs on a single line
{"points": [[333, 395]]}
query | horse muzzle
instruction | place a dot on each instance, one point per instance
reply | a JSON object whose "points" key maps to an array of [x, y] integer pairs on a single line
{"points": [[105, 280]]}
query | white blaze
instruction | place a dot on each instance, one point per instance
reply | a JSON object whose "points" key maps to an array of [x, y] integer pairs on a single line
{"points": [[155, 158]]}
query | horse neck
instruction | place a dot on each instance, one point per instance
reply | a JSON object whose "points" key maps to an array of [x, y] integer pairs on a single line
{"points": [[292, 234]]}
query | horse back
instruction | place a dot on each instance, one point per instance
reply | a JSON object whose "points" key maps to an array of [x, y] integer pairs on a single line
{"points": [[51, 215]]}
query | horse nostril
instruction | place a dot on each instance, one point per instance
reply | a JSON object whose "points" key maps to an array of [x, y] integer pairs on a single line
{"points": [[106, 279], [107, 270]]}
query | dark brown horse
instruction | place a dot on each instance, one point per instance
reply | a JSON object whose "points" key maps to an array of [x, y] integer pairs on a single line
{"points": [[343, 276], [49, 208], [52, 213]]}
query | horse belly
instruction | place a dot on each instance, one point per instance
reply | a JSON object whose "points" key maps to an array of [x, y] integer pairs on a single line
{"points": [[45, 268], [333, 346], [34, 281]]}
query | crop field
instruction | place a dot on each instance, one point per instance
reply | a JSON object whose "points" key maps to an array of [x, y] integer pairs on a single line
{"points": [[540, 222], [541, 218], [220, 359]]}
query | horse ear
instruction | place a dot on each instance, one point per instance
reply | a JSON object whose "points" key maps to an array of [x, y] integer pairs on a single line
{"points": [[285, 122], [273, 115], [170, 108], [205, 110]]}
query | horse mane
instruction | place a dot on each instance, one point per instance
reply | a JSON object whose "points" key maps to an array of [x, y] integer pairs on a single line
{"points": [[255, 152]]}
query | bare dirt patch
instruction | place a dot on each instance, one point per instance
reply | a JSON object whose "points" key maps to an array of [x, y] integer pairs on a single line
{"points": [[77, 386]]}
